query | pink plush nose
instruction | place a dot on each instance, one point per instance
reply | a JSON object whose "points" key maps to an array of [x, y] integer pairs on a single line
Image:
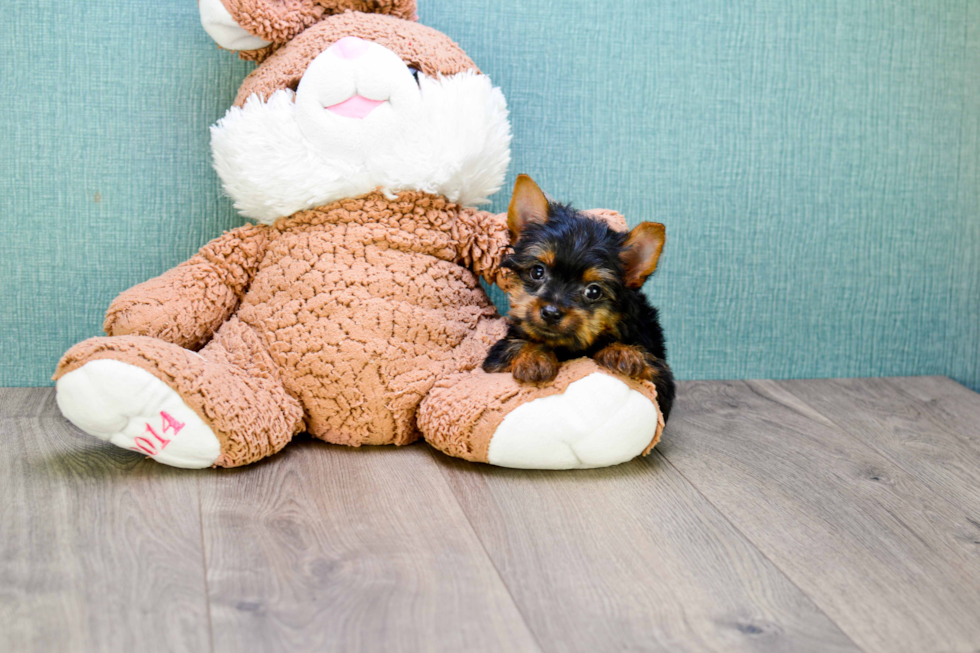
{"points": [[351, 47]]}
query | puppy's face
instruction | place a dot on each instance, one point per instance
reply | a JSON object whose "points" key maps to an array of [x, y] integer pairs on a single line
{"points": [[564, 296], [571, 271]]}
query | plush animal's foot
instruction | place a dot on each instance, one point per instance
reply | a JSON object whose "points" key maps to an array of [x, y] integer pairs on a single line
{"points": [[586, 418], [598, 421], [224, 406], [129, 407]]}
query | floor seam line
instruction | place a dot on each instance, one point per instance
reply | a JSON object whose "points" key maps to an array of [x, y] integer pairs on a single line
{"points": [[476, 536], [204, 565]]}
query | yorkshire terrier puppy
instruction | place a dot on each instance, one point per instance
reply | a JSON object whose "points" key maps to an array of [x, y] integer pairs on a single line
{"points": [[575, 291]]}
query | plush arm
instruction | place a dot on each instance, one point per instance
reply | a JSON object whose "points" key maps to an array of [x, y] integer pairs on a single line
{"points": [[614, 219], [482, 243], [186, 304]]}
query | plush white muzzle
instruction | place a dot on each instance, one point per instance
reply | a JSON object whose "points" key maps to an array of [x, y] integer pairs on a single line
{"points": [[358, 121]]}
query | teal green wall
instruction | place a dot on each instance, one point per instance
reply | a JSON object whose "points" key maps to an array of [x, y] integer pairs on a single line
{"points": [[816, 165]]}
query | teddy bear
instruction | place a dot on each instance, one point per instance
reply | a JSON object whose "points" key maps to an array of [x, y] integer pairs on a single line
{"points": [[349, 305]]}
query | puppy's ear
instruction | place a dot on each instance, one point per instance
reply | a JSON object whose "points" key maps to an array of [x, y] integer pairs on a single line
{"points": [[642, 251], [527, 205]]}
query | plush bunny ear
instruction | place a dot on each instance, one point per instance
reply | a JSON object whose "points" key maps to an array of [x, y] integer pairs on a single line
{"points": [[257, 28], [225, 30]]}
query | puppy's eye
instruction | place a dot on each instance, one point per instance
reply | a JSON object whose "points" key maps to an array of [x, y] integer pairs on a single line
{"points": [[537, 272], [593, 292], [415, 73]]}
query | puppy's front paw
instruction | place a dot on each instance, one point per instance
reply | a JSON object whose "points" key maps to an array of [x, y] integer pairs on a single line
{"points": [[535, 364], [626, 359]]}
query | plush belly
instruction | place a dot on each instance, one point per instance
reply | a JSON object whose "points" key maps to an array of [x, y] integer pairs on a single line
{"points": [[361, 334]]}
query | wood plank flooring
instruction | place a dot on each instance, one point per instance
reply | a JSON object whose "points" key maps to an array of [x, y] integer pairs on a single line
{"points": [[825, 515]]}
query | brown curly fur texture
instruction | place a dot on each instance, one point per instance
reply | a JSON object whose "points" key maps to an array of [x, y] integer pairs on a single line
{"points": [[276, 22], [279, 21], [430, 51], [462, 412], [359, 308], [339, 320], [233, 385], [399, 8], [185, 305]]}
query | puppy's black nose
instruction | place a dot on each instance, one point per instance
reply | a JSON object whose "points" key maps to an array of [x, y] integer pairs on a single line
{"points": [[551, 314]]}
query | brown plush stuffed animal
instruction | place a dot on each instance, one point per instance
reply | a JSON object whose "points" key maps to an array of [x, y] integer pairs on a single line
{"points": [[352, 309]]}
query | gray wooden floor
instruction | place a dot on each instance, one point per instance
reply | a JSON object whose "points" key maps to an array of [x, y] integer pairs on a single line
{"points": [[833, 515]]}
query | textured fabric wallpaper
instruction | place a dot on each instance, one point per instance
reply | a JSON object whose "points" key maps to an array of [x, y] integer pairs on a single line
{"points": [[816, 165]]}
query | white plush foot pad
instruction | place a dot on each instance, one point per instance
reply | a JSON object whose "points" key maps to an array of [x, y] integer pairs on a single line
{"points": [[132, 409], [598, 421]]}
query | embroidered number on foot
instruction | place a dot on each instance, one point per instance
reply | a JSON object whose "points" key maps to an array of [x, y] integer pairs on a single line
{"points": [[151, 448]]}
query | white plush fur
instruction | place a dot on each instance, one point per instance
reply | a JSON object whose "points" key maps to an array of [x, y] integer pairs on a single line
{"points": [[445, 135], [598, 421]]}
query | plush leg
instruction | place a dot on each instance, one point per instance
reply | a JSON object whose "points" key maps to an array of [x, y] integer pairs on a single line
{"points": [[223, 407], [587, 417]]}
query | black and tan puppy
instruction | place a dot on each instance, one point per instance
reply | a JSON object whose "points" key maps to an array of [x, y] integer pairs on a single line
{"points": [[575, 291]]}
